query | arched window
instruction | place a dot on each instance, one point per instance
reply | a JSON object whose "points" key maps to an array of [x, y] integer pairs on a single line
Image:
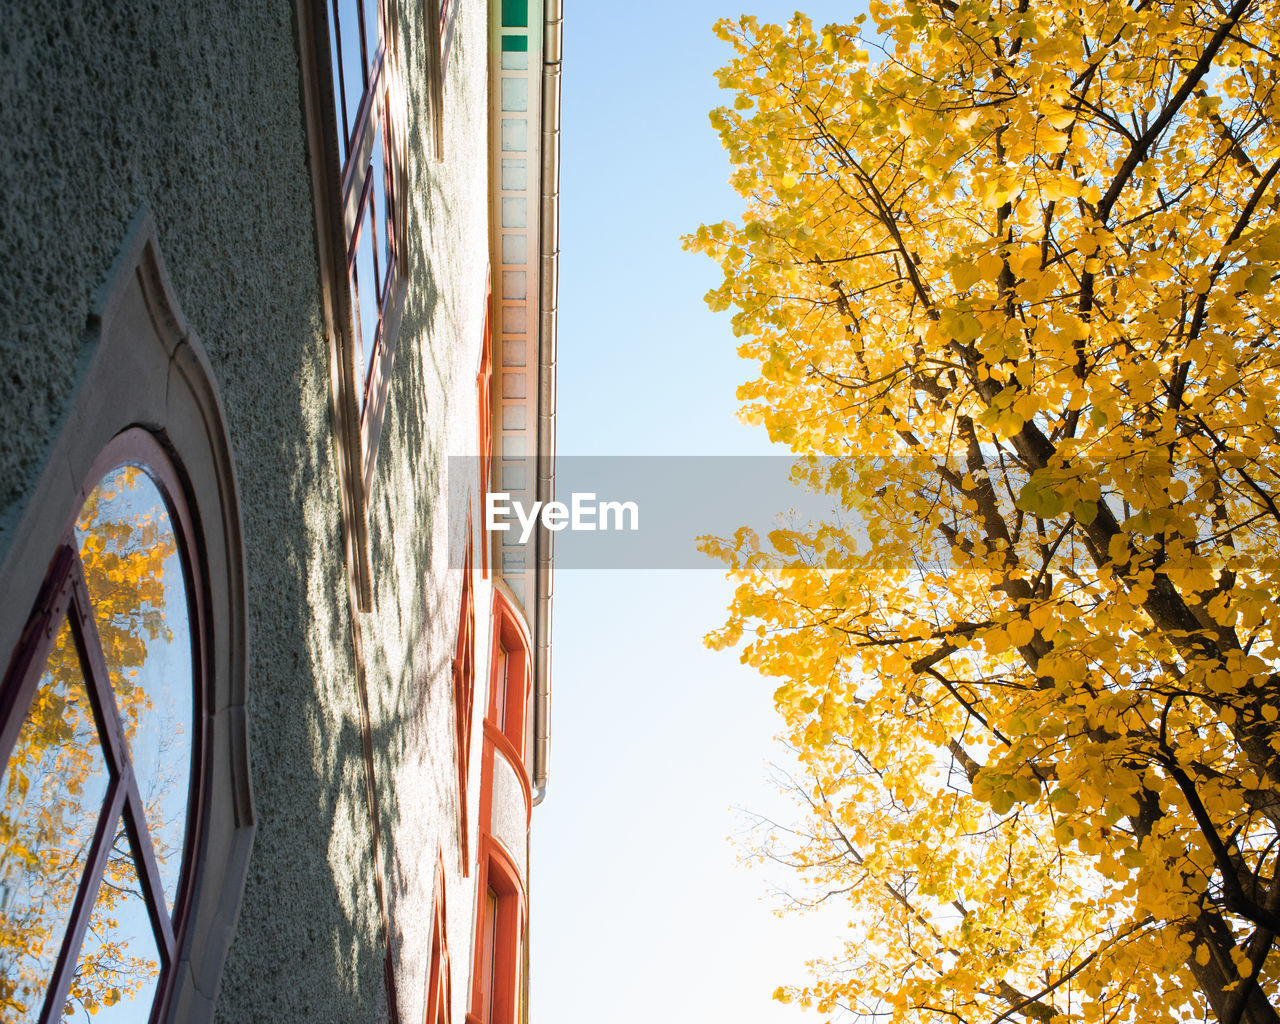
{"points": [[99, 745], [505, 803], [125, 812], [510, 674], [496, 973]]}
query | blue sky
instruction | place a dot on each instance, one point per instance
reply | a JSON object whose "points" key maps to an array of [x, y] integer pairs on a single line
{"points": [[639, 908]]}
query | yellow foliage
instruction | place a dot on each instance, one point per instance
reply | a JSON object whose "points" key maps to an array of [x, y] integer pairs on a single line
{"points": [[1031, 258]]}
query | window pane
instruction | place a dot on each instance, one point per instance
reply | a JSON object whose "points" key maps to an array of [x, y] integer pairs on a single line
{"points": [[379, 173], [139, 595], [339, 87], [118, 971], [53, 786], [364, 295], [371, 30], [354, 72]]}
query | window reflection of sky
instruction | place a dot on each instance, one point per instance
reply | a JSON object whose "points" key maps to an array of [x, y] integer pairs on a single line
{"points": [[379, 172], [348, 58], [365, 292], [351, 63], [122, 950]]}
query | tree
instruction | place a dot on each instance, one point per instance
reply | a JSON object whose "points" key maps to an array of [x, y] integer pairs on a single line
{"points": [[1012, 292]]}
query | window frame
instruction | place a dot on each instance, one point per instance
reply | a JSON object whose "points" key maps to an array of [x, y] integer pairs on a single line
{"points": [[464, 686], [439, 21], [509, 635], [65, 597], [145, 386], [358, 401], [497, 1002], [439, 1009]]}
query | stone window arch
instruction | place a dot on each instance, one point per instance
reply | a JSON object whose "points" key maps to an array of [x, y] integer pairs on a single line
{"points": [[126, 819]]}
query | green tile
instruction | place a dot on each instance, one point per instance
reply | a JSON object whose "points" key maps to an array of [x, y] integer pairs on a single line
{"points": [[515, 13], [516, 44]]}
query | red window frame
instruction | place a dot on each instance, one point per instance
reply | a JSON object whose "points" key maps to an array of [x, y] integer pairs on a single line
{"points": [[495, 987], [509, 697], [438, 988], [65, 597], [464, 687]]}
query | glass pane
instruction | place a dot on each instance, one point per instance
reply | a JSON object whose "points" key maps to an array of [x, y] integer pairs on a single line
{"points": [[371, 32], [335, 69], [383, 211], [118, 971], [364, 295], [353, 68], [136, 583], [53, 786]]}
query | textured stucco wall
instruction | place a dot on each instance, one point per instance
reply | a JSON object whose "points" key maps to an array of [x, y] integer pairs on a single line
{"points": [[509, 822], [193, 108], [410, 634]]}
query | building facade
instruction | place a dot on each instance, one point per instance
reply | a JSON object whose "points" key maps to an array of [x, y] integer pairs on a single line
{"points": [[277, 309]]}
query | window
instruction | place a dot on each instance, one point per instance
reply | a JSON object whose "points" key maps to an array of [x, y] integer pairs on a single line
{"points": [[122, 854], [488, 947], [448, 18], [438, 997], [505, 802], [360, 77], [441, 17], [464, 685], [354, 107], [496, 987], [509, 675], [98, 748]]}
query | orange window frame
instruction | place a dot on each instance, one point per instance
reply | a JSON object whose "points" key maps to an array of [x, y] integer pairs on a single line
{"points": [[464, 687], [495, 993], [509, 635], [438, 989]]}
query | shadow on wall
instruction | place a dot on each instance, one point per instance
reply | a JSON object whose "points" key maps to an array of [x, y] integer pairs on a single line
{"points": [[193, 109], [415, 603]]}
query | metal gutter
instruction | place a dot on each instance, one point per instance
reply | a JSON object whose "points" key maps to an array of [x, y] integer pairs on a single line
{"points": [[549, 259]]}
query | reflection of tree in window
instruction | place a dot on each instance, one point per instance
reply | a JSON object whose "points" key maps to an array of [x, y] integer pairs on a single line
{"points": [[127, 678]]}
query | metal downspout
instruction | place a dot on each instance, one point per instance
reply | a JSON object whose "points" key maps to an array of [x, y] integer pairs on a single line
{"points": [[549, 259]]}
